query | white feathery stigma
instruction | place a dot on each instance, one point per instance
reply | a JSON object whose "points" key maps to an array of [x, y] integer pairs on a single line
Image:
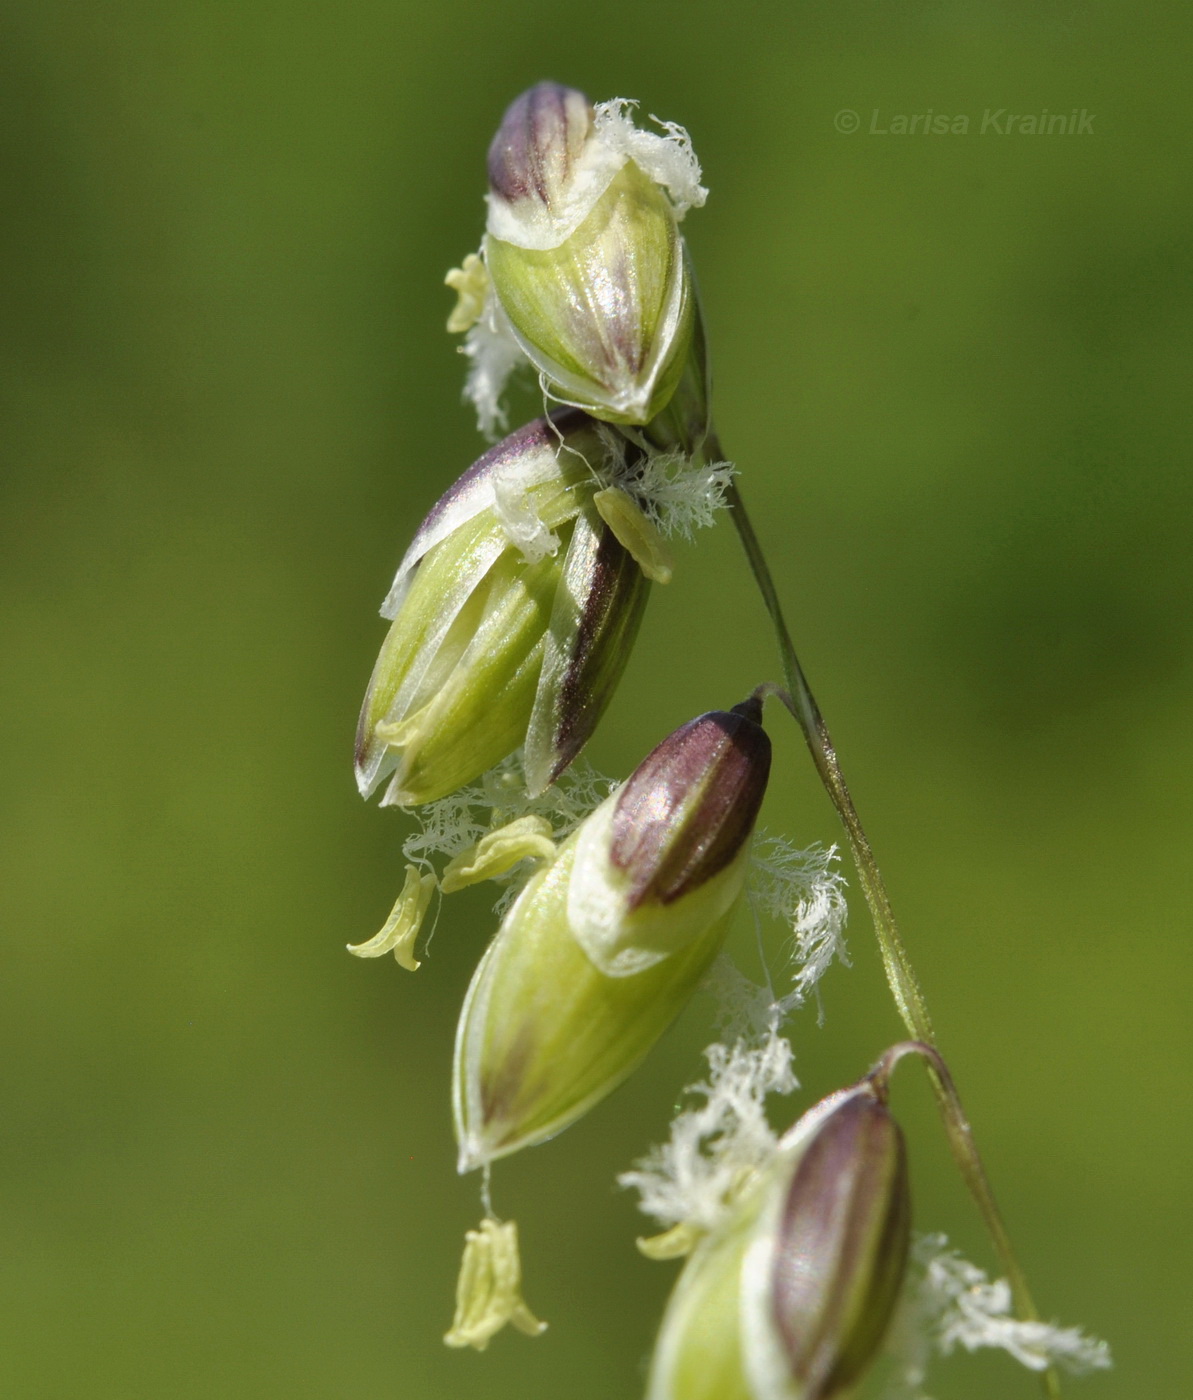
{"points": [[493, 354], [951, 1303], [454, 823], [806, 891], [677, 493], [715, 1148], [681, 495]]}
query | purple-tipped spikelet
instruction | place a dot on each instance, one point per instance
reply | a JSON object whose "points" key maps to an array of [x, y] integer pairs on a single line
{"points": [[588, 273], [606, 943], [791, 1296], [513, 615]]}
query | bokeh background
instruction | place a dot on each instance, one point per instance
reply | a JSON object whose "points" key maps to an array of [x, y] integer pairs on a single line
{"points": [[954, 371]]}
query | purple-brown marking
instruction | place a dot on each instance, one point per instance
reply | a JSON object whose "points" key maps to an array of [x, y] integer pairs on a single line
{"points": [[690, 805], [540, 137], [841, 1247], [609, 617]]}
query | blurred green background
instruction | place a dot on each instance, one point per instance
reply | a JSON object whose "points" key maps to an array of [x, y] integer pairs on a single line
{"points": [[954, 371]]}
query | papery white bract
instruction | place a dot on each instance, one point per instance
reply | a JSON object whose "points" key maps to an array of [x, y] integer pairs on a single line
{"points": [[668, 159]]}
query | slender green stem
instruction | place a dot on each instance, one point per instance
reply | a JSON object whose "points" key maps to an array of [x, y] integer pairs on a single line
{"points": [[904, 984], [965, 1153]]}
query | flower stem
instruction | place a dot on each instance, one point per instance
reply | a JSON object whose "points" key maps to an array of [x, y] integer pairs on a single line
{"points": [[901, 977]]}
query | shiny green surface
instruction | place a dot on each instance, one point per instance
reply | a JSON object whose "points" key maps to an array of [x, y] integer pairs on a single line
{"points": [[572, 315], [954, 371]]}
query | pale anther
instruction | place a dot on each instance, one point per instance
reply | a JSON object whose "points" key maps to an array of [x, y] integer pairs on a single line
{"points": [[471, 284], [636, 532], [399, 931], [499, 851], [489, 1291]]}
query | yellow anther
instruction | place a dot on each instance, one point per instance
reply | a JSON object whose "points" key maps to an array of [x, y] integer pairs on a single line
{"points": [[681, 1239], [636, 532], [471, 284], [405, 919], [499, 851], [489, 1293]]}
